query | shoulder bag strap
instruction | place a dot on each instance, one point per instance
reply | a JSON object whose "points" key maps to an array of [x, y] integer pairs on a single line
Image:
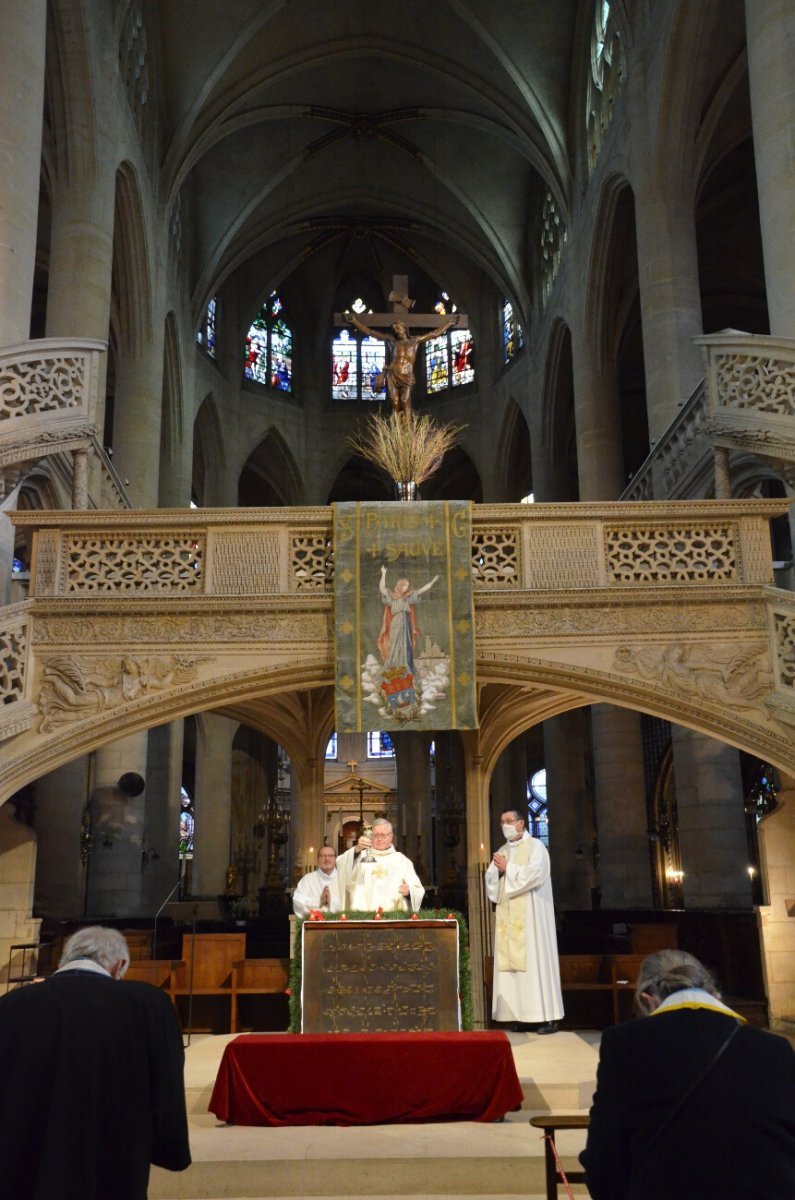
{"points": [[661, 1129]]}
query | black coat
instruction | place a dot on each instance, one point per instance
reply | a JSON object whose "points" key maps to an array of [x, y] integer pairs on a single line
{"points": [[91, 1089], [733, 1140]]}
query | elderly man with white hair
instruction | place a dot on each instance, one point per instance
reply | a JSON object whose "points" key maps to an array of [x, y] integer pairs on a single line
{"points": [[91, 1087], [387, 881]]}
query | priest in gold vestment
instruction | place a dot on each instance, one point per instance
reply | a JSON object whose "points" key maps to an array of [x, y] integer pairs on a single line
{"points": [[526, 970]]}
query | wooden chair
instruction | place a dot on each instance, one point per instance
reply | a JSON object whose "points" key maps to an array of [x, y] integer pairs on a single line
{"points": [[207, 963], [550, 1122], [257, 977]]}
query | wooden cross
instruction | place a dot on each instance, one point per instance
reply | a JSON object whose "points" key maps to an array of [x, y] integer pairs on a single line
{"points": [[401, 311]]}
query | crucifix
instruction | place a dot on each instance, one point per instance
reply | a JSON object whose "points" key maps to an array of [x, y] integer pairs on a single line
{"points": [[398, 374]]}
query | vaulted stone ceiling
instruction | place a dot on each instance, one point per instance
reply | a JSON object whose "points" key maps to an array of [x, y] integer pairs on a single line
{"points": [[423, 129]]}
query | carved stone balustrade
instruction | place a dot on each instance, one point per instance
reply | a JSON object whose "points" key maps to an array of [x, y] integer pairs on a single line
{"points": [[48, 397], [137, 618], [750, 382]]}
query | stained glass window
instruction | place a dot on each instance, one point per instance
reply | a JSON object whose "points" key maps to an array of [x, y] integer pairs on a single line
{"points": [[331, 747], [606, 77], [553, 243], [205, 337], [379, 745], [187, 825], [537, 816], [268, 350], [512, 335], [357, 362], [449, 359]]}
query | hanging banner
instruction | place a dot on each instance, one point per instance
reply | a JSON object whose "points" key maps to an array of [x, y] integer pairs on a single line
{"points": [[405, 643]]}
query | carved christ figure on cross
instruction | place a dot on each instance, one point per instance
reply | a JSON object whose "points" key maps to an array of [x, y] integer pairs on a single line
{"points": [[399, 371]]}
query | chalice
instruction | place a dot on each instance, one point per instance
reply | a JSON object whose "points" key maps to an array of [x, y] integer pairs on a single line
{"points": [[367, 855]]}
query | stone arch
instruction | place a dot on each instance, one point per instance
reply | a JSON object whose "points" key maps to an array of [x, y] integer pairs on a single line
{"points": [[513, 451], [614, 315], [270, 476], [172, 411], [209, 444], [559, 430], [131, 316]]}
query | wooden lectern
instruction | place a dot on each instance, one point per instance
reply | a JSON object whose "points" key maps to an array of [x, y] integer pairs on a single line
{"points": [[389, 976]]}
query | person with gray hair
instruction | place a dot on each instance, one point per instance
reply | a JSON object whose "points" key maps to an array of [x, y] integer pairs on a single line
{"points": [[691, 1103], [91, 1079], [373, 874]]}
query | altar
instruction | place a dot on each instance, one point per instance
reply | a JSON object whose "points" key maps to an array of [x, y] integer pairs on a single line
{"points": [[380, 976], [365, 1079]]}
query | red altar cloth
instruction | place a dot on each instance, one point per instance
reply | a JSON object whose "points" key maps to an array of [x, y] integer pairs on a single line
{"points": [[365, 1079]]}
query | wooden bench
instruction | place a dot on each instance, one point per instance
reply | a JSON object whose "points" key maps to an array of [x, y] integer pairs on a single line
{"points": [[206, 966], [550, 1122], [257, 977], [158, 972], [613, 973]]}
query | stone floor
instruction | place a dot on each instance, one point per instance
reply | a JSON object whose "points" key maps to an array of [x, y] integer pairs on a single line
{"points": [[500, 1161]]}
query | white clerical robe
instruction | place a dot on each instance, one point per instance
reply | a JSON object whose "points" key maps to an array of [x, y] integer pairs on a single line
{"points": [[526, 970], [308, 891], [367, 887]]}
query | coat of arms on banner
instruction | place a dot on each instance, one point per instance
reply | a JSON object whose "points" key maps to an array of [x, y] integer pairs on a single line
{"points": [[404, 620]]}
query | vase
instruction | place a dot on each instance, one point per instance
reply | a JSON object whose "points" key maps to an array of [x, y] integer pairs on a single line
{"points": [[406, 491]]}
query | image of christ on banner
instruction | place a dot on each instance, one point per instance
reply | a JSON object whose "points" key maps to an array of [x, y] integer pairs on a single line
{"points": [[404, 627]]}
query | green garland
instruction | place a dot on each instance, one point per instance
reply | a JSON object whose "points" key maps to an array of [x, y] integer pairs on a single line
{"points": [[425, 914]]}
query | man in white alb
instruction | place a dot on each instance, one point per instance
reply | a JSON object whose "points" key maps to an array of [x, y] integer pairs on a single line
{"points": [[318, 890], [526, 970], [390, 882]]}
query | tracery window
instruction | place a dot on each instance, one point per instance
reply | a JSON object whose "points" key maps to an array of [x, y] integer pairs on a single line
{"points": [[205, 335], [134, 59], [537, 816], [607, 72], [268, 349], [512, 334], [357, 361], [187, 825], [379, 745], [449, 359], [553, 243]]}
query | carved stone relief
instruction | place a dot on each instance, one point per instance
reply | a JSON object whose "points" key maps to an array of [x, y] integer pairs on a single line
{"points": [[729, 675], [78, 686]]}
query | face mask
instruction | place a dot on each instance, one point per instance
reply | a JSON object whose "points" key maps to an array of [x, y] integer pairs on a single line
{"points": [[509, 832]]}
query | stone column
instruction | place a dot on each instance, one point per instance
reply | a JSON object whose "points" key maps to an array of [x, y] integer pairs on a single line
{"points": [[709, 802], [308, 820], [22, 50], [412, 767], [670, 302], [478, 855], [620, 796], [6, 558], [136, 421], [598, 419], [776, 922], [570, 806], [770, 28], [213, 803], [117, 825], [17, 870], [61, 798], [160, 851]]}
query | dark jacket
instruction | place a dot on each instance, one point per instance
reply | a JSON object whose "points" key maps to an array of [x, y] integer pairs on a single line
{"points": [[733, 1140], [91, 1089]]}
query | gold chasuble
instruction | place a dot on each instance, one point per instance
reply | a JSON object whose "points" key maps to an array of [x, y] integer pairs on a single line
{"points": [[405, 645]]}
